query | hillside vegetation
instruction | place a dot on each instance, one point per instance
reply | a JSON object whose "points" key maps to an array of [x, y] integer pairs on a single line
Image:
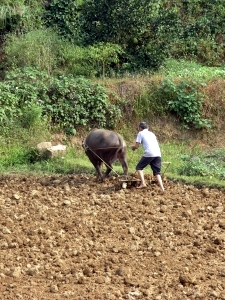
{"points": [[70, 66], [191, 138]]}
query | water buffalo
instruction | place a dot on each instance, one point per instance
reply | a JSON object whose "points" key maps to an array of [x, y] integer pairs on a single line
{"points": [[105, 146]]}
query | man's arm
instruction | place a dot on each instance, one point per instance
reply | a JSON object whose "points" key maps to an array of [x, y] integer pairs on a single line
{"points": [[135, 146]]}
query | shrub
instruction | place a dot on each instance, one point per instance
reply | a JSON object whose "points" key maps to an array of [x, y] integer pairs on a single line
{"points": [[91, 61], [185, 100], [151, 102], [78, 101], [68, 101], [8, 103]]}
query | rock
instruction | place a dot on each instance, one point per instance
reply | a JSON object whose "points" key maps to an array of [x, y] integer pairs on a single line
{"points": [[67, 202], [100, 279], [54, 289], [16, 272], [157, 253], [185, 279], [32, 271], [5, 230], [87, 271], [47, 150], [16, 197]]}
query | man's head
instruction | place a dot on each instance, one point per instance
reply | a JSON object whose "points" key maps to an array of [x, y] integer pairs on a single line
{"points": [[143, 125]]}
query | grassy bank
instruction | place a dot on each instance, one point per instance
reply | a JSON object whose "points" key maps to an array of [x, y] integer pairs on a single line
{"points": [[196, 155], [187, 164]]}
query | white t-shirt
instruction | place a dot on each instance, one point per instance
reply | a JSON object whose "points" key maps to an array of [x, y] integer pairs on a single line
{"points": [[149, 143]]}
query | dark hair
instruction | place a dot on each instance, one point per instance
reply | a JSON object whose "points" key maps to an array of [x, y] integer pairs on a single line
{"points": [[143, 125]]}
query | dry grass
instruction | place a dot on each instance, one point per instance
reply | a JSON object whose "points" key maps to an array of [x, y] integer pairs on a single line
{"points": [[167, 127]]}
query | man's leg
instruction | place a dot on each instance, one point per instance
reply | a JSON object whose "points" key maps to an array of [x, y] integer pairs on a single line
{"points": [[159, 179], [141, 176]]}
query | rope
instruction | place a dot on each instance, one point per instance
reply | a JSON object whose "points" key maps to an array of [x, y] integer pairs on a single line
{"points": [[86, 147]]}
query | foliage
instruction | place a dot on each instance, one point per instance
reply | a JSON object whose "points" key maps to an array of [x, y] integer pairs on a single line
{"points": [[46, 51], [145, 32], [11, 13], [95, 60], [205, 164], [115, 22], [78, 101], [151, 31], [68, 101], [185, 100], [8, 103], [200, 32], [181, 97], [16, 155], [151, 102], [103, 56], [38, 48], [64, 16], [21, 16], [127, 24], [189, 69]]}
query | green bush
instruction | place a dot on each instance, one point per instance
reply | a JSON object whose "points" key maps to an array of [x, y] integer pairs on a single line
{"points": [[8, 103], [78, 101], [11, 13], [64, 17], [185, 100], [190, 70], [180, 97], [28, 94], [92, 61]]}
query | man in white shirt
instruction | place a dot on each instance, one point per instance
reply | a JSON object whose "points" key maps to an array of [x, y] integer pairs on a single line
{"points": [[152, 154]]}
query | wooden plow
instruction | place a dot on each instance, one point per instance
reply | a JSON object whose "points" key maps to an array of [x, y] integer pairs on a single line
{"points": [[132, 181]]}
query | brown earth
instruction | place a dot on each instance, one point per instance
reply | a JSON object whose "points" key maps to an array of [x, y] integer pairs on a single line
{"points": [[69, 237]]}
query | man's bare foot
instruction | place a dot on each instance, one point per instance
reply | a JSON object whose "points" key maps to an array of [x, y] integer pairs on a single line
{"points": [[141, 186]]}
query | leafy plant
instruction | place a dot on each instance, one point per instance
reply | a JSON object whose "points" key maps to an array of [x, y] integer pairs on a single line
{"points": [[78, 101], [11, 12], [190, 70], [210, 164], [185, 100], [92, 61], [68, 101], [104, 55], [64, 16]]}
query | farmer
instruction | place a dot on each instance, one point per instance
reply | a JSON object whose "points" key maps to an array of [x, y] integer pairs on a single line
{"points": [[152, 155]]}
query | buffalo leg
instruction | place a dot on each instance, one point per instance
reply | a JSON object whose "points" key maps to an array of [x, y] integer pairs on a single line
{"points": [[123, 162], [108, 169], [97, 164]]}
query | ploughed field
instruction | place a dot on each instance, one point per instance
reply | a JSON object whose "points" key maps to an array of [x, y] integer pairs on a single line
{"points": [[70, 237]]}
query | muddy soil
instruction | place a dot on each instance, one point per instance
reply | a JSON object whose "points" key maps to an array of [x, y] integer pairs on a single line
{"points": [[69, 237]]}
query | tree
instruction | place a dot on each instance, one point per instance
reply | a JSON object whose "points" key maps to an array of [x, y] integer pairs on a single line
{"points": [[117, 21], [127, 23], [64, 16]]}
